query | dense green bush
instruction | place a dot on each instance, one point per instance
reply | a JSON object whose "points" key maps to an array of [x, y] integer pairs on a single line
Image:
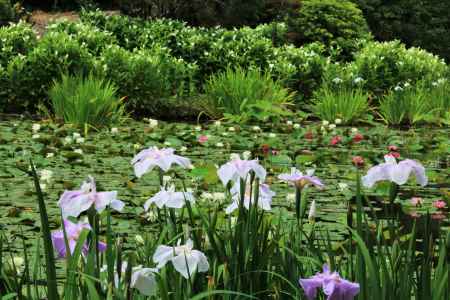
{"points": [[147, 78], [6, 12], [424, 24], [214, 49], [241, 94], [85, 101], [335, 23], [17, 39], [31, 76], [384, 65], [92, 37]]}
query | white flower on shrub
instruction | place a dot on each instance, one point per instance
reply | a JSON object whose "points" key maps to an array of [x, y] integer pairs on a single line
{"points": [[296, 126], [325, 123], [68, 140], [337, 80], [153, 123], [36, 136], [50, 155], [232, 129], [256, 128], [338, 121], [219, 145], [79, 151], [354, 130], [272, 135], [114, 130], [80, 140], [398, 88], [358, 80], [76, 135]]}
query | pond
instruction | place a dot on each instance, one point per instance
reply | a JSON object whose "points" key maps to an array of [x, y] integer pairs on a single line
{"points": [[106, 156]]}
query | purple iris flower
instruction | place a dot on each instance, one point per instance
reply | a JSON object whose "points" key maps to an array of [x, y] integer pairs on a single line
{"points": [[395, 172], [152, 157], [300, 180], [73, 203], [239, 168], [335, 287], [73, 231]]}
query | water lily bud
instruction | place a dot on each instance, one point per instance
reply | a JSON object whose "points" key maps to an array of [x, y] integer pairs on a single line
{"points": [[358, 161], [312, 212]]}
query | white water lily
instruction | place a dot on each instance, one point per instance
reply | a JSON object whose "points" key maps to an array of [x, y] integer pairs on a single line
{"points": [[395, 172], [36, 127], [184, 258], [169, 198], [45, 175], [152, 123]]}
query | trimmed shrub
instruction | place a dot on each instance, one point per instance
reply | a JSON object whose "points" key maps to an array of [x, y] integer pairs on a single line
{"points": [[335, 23], [31, 76], [147, 77], [16, 39]]}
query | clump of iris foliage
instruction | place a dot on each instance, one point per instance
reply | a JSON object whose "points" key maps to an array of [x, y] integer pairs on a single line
{"points": [[233, 248]]}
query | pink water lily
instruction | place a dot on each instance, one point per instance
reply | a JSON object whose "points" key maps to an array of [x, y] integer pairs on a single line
{"points": [[239, 168], [335, 287], [169, 198], [73, 231], [152, 157], [300, 180], [73, 203], [264, 200], [184, 258], [395, 172]]}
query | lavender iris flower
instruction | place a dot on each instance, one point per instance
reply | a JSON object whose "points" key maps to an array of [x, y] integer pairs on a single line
{"points": [[169, 198], [264, 200], [152, 157], [395, 172], [73, 231], [73, 203], [300, 180], [239, 168], [335, 287]]}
